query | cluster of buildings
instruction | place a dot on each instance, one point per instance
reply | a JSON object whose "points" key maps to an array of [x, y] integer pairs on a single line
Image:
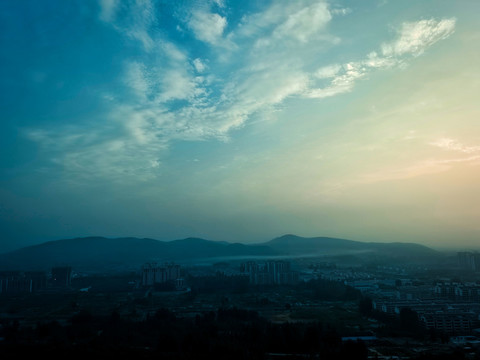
{"points": [[451, 308], [451, 321], [270, 272], [440, 315], [447, 307], [155, 274], [13, 282], [460, 292], [16, 282], [469, 260]]}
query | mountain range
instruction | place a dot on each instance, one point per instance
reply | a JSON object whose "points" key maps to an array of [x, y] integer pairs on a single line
{"points": [[103, 253]]}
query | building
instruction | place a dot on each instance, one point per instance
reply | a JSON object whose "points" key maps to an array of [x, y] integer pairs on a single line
{"points": [[270, 272], [442, 315], [469, 260], [450, 323], [13, 282], [61, 276], [410, 292], [469, 292], [152, 273]]}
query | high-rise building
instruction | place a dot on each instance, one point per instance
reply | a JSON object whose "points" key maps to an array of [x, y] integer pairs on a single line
{"points": [[270, 272], [12, 282], [61, 276], [469, 260], [152, 273]]}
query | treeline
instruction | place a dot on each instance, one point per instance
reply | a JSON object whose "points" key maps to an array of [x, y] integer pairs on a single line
{"points": [[316, 289], [219, 283], [228, 333], [328, 290]]}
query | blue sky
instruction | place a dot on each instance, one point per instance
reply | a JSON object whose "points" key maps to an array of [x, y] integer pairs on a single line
{"points": [[240, 121]]}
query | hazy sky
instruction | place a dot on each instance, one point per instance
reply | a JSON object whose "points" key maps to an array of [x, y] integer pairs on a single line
{"points": [[240, 120]]}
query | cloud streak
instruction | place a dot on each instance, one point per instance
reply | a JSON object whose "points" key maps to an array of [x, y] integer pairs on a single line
{"points": [[454, 145], [207, 26], [415, 37], [422, 168], [174, 94]]}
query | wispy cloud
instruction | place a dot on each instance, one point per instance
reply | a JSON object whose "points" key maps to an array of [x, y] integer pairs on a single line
{"points": [[412, 40], [455, 145], [421, 168], [207, 26], [415, 37], [133, 19], [434, 164], [304, 23], [286, 24], [174, 95], [108, 9]]}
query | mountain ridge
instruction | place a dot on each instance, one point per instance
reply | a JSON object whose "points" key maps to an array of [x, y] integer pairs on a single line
{"points": [[102, 252]]}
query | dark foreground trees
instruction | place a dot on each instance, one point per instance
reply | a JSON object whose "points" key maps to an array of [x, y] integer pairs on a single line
{"points": [[228, 333]]}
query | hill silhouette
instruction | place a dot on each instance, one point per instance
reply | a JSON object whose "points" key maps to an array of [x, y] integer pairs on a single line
{"points": [[296, 245], [109, 253], [101, 252]]}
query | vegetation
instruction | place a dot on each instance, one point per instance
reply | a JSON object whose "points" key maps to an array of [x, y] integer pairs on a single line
{"points": [[225, 333]]}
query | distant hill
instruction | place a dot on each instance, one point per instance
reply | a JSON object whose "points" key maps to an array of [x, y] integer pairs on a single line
{"points": [[105, 253], [99, 253], [326, 246]]}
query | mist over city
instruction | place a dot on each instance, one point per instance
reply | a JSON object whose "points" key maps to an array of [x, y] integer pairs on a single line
{"points": [[228, 179]]}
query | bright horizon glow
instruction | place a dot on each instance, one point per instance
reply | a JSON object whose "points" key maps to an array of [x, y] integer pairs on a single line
{"points": [[240, 121]]}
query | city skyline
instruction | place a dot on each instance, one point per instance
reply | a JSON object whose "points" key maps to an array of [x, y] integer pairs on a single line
{"points": [[240, 122]]}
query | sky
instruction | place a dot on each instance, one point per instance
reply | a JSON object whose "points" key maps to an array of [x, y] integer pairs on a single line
{"points": [[240, 120]]}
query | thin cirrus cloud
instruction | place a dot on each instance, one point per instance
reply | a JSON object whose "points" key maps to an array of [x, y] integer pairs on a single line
{"points": [[454, 145], [436, 163], [416, 36], [421, 168], [298, 23], [133, 19], [207, 26], [413, 38], [182, 96], [108, 9]]}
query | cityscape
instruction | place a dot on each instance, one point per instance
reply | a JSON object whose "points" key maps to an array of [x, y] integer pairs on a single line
{"points": [[375, 311], [223, 179]]}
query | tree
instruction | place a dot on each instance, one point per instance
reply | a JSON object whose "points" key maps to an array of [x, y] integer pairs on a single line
{"points": [[365, 306]]}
